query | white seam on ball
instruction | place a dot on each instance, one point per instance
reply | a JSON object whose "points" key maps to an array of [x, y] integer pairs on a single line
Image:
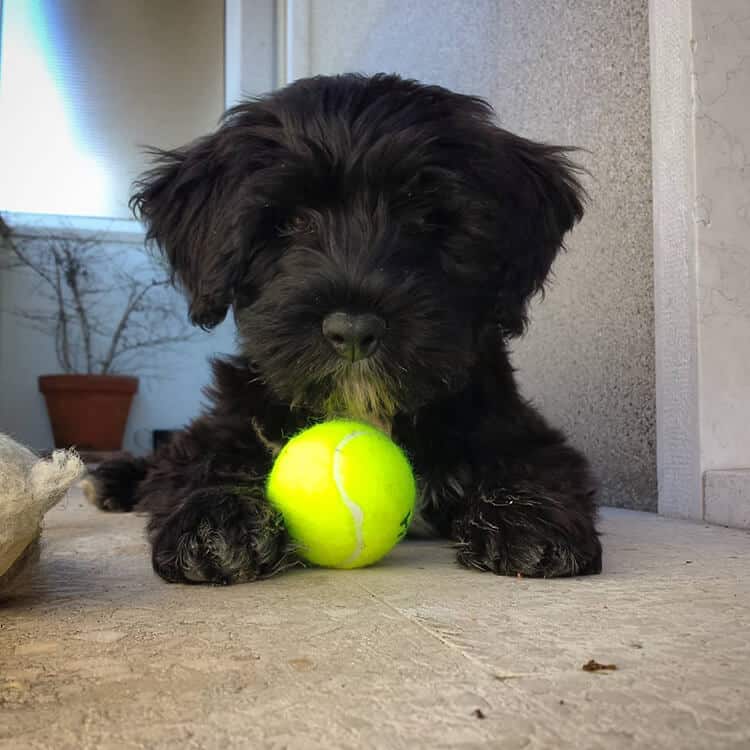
{"points": [[357, 515]]}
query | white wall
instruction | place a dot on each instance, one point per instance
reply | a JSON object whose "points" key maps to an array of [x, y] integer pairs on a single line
{"points": [[701, 132], [675, 267], [721, 33]]}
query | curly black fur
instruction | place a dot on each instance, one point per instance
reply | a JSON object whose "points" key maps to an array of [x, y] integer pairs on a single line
{"points": [[366, 195]]}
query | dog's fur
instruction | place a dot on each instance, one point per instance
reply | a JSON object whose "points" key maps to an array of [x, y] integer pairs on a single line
{"points": [[368, 195]]}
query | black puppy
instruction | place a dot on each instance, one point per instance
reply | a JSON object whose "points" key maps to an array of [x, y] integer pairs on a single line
{"points": [[378, 241]]}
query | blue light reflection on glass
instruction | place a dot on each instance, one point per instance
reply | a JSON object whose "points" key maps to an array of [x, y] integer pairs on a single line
{"points": [[47, 166]]}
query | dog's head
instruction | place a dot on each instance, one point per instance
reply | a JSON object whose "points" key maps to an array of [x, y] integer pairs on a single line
{"points": [[372, 235]]}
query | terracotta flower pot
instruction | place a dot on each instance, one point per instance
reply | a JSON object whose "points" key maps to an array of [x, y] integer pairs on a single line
{"points": [[88, 411]]}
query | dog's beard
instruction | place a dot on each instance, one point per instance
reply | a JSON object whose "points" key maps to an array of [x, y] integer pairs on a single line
{"points": [[359, 391], [432, 356]]}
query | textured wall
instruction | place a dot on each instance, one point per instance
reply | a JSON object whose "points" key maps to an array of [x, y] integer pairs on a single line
{"points": [[574, 72]]}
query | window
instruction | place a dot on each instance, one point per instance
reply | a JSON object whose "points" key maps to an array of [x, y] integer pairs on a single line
{"points": [[84, 84]]}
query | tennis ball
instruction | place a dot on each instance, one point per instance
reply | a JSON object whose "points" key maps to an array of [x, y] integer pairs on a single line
{"points": [[345, 491]]}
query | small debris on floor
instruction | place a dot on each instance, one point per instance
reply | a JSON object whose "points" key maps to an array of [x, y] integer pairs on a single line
{"points": [[478, 713], [595, 666], [303, 664], [687, 562], [562, 702]]}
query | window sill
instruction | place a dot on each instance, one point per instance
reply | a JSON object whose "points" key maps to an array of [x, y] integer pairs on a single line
{"points": [[127, 231]]}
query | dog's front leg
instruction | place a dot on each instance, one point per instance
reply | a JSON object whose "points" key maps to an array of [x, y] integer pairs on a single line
{"points": [[222, 534], [532, 515], [210, 521]]}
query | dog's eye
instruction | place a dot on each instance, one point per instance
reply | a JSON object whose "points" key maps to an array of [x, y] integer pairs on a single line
{"points": [[296, 225], [430, 221]]}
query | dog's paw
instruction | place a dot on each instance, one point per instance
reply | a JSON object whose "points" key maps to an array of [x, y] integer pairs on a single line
{"points": [[221, 537], [530, 550], [96, 492], [112, 485], [530, 558]]}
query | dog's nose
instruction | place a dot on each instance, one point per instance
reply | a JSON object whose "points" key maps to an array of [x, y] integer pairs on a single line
{"points": [[353, 335]]}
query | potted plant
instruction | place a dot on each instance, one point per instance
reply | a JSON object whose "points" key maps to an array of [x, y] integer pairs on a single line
{"points": [[106, 306]]}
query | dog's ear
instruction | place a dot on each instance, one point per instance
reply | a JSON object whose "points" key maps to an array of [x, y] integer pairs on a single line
{"points": [[203, 205], [537, 200]]}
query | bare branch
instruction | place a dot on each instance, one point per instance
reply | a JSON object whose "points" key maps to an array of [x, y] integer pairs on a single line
{"points": [[72, 274], [133, 298], [161, 341], [62, 339], [80, 281], [20, 258]]}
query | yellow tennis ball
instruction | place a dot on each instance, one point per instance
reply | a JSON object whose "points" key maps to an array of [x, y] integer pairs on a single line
{"points": [[345, 491]]}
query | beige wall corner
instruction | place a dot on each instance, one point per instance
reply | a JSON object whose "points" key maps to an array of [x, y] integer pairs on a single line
{"points": [[700, 65], [678, 449], [721, 41], [727, 497]]}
